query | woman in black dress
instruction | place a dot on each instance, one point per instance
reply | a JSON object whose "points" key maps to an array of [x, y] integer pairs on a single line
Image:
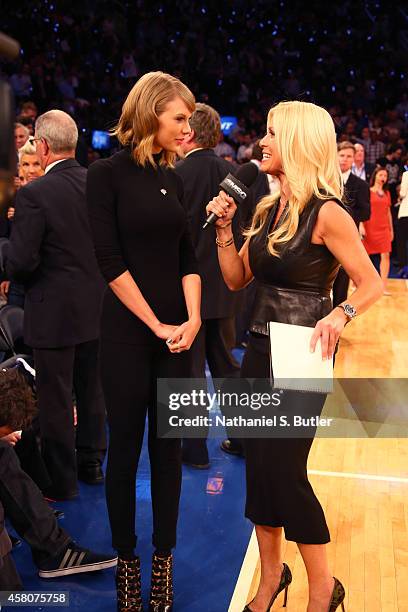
{"points": [[295, 245], [150, 317]]}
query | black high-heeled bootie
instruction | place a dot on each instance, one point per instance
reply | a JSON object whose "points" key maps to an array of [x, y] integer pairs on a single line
{"points": [[128, 585], [161, 591]]}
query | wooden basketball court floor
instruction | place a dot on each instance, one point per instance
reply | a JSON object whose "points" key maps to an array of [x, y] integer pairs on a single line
{"points": [[362, 483]]}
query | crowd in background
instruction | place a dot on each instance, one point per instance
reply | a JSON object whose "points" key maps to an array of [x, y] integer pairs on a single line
{"points": [[240, 57]]}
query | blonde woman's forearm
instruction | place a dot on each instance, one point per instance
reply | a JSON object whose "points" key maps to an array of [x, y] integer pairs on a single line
{"points": [[232, 264]]}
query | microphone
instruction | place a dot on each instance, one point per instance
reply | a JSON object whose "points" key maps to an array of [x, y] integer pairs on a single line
{"points": [[236, 186]]}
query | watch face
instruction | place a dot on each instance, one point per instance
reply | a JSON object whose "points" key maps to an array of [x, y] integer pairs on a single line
{"points": [[350, 310]]}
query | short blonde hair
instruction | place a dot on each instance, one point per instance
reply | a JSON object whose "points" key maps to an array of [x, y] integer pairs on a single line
{"points": [[27, 149], [306, 142], [138, 123]]}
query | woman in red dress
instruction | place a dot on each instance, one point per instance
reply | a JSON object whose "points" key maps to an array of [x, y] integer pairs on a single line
{"points": [[378, 234]]}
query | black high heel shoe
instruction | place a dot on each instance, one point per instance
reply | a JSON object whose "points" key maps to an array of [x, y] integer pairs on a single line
{"points": [[128, 585], [286, 579], [161, 591], [337, 597]]}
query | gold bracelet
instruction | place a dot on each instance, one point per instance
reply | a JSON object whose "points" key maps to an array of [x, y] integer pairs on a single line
{"points": [[222, 226], [227, 243]]}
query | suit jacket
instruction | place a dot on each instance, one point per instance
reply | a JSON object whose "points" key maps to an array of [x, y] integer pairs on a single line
{"points": [[357, 198], [369, 169], [202, 172], [51, 253]]}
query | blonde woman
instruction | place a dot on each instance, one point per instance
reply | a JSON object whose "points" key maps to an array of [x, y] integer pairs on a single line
{"points": [[150, 318], [294, 247], [29, 162]]}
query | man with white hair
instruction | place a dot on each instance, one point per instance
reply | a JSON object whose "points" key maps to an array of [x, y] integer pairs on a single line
{"points": [[21, 135], [51, 253]]}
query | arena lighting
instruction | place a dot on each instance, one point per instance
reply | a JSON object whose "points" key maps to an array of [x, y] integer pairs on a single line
{"points": [[100, 139], [228, 124]]}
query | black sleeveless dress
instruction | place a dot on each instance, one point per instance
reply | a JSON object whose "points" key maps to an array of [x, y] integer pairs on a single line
{"points": [[293, 288]]}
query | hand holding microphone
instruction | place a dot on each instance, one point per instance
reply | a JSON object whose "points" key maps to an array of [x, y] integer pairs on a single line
{"points": [[234, 189], [223, 207]]}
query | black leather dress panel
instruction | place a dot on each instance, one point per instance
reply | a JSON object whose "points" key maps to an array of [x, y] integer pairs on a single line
{"points": [[295, 286]]}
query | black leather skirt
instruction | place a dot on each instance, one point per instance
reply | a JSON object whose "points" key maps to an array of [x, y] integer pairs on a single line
{"points": [[292, 306]]}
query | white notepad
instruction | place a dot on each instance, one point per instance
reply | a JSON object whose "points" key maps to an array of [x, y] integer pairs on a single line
{"points": [[293, 366]]}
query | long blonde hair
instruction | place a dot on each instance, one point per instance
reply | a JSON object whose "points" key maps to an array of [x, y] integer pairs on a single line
{"points": [[306, 142], [138, 123]]}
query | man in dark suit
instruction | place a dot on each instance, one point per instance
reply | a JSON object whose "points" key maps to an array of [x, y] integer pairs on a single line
{"points": [[357, 201], [259, 189], [51, 252], [202, 172]]}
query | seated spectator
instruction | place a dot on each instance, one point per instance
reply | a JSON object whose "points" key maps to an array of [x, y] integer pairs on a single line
{"points": [[29, 110], [27, 122], [245, 149], [21, 135], [360, 167], [54, 552], [21, 82], [365, 137], [392, 163], [375, 148], [223, 149]]}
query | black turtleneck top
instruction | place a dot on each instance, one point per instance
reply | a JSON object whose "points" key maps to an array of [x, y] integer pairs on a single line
{"points": [[139, 223]]}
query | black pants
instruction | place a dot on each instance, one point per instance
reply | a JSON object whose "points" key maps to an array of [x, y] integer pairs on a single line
{"points": [[9, 577], [28, 512], [58, 371], [244, 312], [402, 240], [129, 375], [16, 295], [340, 287], [279, 493], [214, 343]]}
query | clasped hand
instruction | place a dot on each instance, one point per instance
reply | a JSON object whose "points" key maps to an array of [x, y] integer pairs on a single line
{"points": [[179, 338], [328, 330]]}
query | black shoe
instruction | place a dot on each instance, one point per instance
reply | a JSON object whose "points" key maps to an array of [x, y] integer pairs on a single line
{"points": [[75, 560], [338, 595], [51, 494], [91, 473], [232, 448], [197, 466], [286, 579], [128, 585], [161, 590]]}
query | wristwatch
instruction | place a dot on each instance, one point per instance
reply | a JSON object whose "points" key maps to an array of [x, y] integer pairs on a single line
{"points": [[348, 310]]}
